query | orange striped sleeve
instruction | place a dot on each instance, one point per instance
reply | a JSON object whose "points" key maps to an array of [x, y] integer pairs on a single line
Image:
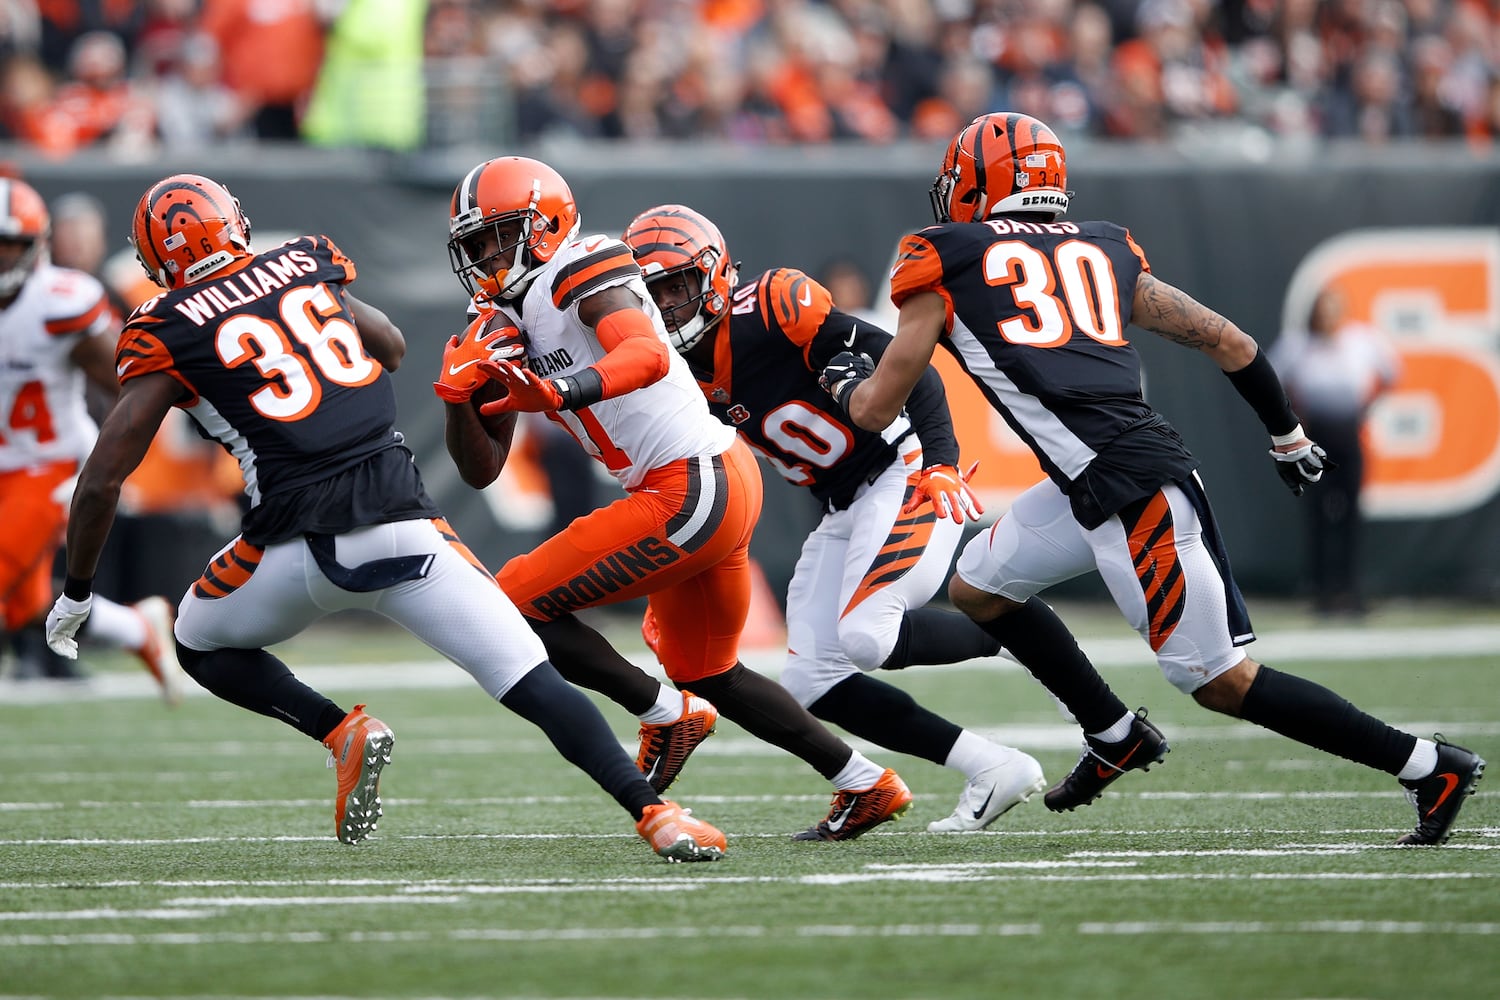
{"points": [[795, 304], [339, 259], [81, 322], [918, 268], [580, 278], [142, 352], [1140, 254]]}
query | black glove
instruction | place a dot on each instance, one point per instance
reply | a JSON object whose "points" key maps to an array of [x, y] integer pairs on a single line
{"points": [[847, 370], [1302, 467]]}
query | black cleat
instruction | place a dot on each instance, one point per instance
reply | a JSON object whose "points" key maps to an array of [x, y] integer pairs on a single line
{"points": [[1439, 796], [1102, 763]]}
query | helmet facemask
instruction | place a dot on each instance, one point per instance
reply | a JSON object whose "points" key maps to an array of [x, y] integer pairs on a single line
{"points": [[466, 253], [17, 274], [695, 316]]}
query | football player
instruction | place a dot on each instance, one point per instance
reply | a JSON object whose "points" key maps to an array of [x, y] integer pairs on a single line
{"points": [[596, 360], [57, 334], [1036, 309], [894, 502], [277, 361]]}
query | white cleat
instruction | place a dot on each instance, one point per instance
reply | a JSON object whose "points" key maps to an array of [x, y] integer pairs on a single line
{"points": [[993, 792]]}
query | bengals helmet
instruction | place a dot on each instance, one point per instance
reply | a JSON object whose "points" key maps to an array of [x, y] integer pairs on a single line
{"points": [[1001, 163], [187, 227], [673, 239], [505, 189], [23, 220]]}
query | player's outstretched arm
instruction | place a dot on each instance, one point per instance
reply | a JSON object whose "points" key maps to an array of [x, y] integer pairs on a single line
{"points": [[1174, 314], [123, 439], [381, 337]]}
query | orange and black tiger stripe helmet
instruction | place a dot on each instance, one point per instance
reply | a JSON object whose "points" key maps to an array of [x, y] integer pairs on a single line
{"points": [[23, 219], [672, 239], [187, 227], [1001, 163]]}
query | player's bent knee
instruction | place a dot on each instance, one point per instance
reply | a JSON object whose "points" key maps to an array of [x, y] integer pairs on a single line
{"points": [[864, 649], [979, 605], [1226, 692]]}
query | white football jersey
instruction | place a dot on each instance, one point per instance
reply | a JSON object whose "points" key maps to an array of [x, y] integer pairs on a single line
{"points": [[43, 417], [640, 430]]}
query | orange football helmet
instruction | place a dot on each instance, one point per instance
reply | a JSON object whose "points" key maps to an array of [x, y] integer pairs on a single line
{"points": [[674, 239], [23, 220], [1001, 163], [187, 227], [508, 188]]}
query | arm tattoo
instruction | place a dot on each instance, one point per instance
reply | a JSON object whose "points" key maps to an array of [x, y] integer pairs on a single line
{"points": [[1176, 315]]}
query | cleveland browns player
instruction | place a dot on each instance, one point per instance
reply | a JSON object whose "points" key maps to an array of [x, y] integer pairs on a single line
{"points": [[273, 358], [597, 362], [894, 502], [57, 334], [1036, 310]]}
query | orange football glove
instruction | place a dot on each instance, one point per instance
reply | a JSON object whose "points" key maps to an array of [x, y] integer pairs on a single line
{"points": [[526, 390], [948, 492], [462, 356]]}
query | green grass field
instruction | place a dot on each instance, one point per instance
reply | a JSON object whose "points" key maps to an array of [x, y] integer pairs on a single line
{"points": [[147, 852]]}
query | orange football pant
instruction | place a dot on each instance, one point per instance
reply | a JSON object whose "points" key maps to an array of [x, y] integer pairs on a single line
{"points": [[681, 539], [31, 530]]}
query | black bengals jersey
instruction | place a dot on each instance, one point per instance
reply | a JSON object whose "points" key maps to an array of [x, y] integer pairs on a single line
{"points": [[272, 368], [782, 330], [1037, 314]]}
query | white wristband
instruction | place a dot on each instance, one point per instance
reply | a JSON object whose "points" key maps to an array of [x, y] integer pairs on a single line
{"points": [[1290, 437]]}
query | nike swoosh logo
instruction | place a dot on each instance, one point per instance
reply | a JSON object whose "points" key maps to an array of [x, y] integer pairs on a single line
{"points": [[849, 340], [1111, 772], [836, 822], [455, 369], [979, 813], [655, 769], [805, 296], [1452, 780], [120, 370]]}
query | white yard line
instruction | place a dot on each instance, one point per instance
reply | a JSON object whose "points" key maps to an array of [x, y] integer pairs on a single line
{"points": [[1301, 928]]}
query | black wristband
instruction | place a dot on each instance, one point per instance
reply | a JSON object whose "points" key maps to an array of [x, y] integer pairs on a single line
{"points": [[577, 391], [77, 588], [1258, 383]]}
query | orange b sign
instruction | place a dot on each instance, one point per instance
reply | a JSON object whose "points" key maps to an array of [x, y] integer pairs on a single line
{"points": [[1433, 441]]}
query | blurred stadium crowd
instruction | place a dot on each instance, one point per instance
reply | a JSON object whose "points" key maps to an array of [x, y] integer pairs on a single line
{"points": [[141, 75]]}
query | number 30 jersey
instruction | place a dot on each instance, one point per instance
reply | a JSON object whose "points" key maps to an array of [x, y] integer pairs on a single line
{"points": [[1036, 314], [272, 367]]}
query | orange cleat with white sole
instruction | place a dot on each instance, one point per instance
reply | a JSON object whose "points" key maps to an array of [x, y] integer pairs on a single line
{"points": [[359, 748], [159, 653], [854, 812], [674, 834]]}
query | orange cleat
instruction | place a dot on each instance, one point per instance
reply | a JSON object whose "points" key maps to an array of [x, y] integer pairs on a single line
{"points": [[359, 748], [852, 813], [674, 834], [666, 748]]}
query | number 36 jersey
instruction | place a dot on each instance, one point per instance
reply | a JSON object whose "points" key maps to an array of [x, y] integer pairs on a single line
{"points": [[1036, 314], [272, 368]]}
